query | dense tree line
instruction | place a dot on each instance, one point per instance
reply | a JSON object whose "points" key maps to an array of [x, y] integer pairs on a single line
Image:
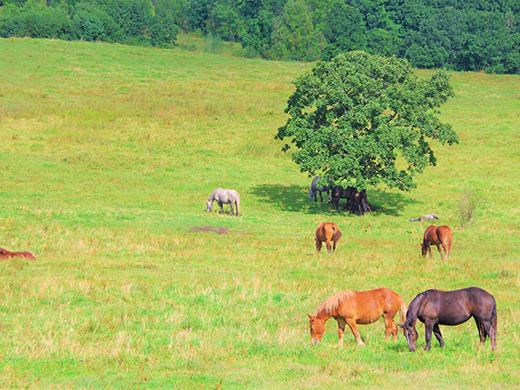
{"points": [[454, 34]]}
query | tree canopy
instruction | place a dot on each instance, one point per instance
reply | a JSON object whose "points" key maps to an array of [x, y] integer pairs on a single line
{"points": [[363, 119]]}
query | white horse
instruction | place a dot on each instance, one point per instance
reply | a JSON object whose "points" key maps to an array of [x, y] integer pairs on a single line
{"points": [[224, 196]]}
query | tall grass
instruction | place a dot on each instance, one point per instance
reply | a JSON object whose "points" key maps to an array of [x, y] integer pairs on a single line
{"points": [[108, 155]]}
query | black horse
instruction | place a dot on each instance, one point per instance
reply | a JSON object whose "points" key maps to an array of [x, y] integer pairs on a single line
{"points": [[315, 189], [436, 307]]}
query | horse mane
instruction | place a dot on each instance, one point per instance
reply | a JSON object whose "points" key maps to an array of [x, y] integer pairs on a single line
{"points": [[332, 303]]}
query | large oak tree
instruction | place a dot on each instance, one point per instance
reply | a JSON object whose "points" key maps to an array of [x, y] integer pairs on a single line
{"points": [[363, 119]]}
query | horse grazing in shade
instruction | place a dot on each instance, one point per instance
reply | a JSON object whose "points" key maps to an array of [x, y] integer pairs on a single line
{"points": [[224, 196], [358, 307], [356, 201], [437, 235], [339, 192], [436, 307], [327, 232], [315, 189], [5, 254]]}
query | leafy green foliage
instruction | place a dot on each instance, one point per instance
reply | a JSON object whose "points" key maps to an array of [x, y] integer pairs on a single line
{"points": [[451, 34], [365, 120]]}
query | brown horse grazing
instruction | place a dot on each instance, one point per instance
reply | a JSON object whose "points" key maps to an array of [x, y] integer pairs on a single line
{"points": [[437, 235], [5, 254], [358, 307], [327, 231], [436, 307]]}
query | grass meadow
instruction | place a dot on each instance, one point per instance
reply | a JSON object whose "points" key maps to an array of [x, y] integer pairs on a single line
{"points": [[107, 156]]}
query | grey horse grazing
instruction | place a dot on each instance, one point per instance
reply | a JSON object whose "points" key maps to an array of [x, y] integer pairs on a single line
{"points": [[315, 189], [224, 196]]}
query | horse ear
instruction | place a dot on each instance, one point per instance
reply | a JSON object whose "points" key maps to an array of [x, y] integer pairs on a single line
{"points": [[311, 317], [401, 326]]}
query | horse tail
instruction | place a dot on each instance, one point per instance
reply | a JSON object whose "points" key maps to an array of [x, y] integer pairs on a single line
{"points": [[402, 312], [337, 234], [238, 203], [493, 331]]}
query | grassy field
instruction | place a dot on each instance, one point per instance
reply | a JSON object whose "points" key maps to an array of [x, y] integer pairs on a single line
{"points": [[108, 155]]}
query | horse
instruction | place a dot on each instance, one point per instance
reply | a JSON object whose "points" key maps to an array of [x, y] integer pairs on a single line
{"points": [[351, 308], [327, 231], [5, 254], [224, 196], [436, 307], [423, 217], [339, 192], [314, 189], [356, 201], [437, 235]]}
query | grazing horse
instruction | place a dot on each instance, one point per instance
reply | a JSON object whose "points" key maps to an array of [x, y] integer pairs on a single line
{"points": [[436, 307], [356, 201], [327, 231], [314, 189], [339, 192], [437, 235], [224, 196], [5, 254], [358, 307]]}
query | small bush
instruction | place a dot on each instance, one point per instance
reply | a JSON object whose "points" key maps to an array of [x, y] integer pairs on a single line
{"points": [[468, 204]]}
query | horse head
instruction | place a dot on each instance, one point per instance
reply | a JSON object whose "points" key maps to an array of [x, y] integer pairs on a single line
{"points": [[410, 333], [424, 248], [209, 205], [317, 328]]}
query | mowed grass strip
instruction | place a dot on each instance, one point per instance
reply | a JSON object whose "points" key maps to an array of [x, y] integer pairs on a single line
{"points": [[108, 155]]}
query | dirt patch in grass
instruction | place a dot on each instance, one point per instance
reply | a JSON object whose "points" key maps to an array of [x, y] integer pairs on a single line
{"points": [[211, 229]]}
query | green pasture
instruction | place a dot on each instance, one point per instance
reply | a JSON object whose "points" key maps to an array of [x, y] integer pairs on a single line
{"points": [[108, 153]]}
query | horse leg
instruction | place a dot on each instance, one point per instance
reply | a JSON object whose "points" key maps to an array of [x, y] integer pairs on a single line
{"points": [[353, 327], [430, 250], [446, 250], [341, 331], [220, 204], [428, 328], [391, 327], [321, 196], [439, 249], [492, 333], [486, 329], [318, 245], [438, 334], [329, 247]]}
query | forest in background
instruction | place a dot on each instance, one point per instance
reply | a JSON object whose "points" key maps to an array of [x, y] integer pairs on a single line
{"points": [[462, 35]]}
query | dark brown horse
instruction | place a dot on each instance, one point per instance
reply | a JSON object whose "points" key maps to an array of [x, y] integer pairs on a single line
{"points": [[358, 307], [437, 235], [339, 192], [327, 232], [5, 254], [436, 307], [356, 201]]}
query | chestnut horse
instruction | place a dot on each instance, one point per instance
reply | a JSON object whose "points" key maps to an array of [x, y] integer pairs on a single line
{"points": [[358, 307], [5, 254], [437, 235], [436, 307], [327, 231]]}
